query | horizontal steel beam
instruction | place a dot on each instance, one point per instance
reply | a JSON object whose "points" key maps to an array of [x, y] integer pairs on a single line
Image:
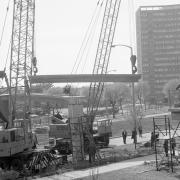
{"points": [[49, 98], [83, 78]]}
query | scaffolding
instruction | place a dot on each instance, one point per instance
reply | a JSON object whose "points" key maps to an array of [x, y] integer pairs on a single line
{"points": [[166, 142]]}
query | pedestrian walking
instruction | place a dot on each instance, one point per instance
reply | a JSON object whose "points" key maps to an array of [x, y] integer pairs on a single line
{"points": [[124, 135], [166, 147], [140, 131]]}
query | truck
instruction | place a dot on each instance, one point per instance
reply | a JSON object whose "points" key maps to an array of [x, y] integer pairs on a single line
{"points": [[62, 137]]}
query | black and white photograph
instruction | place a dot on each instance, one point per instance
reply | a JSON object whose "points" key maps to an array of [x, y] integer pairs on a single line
{"points": [[89, 90]]}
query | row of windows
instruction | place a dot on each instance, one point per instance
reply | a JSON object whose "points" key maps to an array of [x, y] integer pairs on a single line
{"points": [[166, 36], [160, 19], [161, 43], [145, 25], [174, 52], [159, 13], [166, 30], [169, 24], [164, 64], [159, 36], [160, 28], [175, 65], [167, 47], [164, 69], [168, 41], [173, 59], [162, 76]]}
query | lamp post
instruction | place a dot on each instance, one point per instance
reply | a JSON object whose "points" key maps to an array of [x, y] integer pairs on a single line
{"points": [[134, 70]]}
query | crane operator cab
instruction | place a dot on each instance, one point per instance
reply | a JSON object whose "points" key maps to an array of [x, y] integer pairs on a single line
{"points": [[17, 138]]}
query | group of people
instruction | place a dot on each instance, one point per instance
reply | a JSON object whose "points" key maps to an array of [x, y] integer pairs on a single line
{"points": [[133, 136], [173, 145], [166, 145]]}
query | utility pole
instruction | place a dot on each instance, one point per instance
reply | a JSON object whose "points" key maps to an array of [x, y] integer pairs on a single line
{"points": [[134, 70]]}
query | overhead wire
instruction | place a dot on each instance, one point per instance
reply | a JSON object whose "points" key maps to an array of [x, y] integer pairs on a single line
{"points": [[4, 23], [131, 22], [2, 34], [88, 35], [7, 56]]}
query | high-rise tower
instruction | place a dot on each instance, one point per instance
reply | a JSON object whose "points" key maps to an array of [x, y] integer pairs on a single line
{"points": [[158, 45]]}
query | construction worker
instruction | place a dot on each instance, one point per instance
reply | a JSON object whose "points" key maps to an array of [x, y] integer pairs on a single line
{"points": [[166, 147], [124, 135], [134, 136], [140, 131], [152, 140], [173, 145], [91, 151]]}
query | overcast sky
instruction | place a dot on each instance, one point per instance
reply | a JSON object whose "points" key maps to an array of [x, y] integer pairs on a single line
{"points": [[61, 27]]}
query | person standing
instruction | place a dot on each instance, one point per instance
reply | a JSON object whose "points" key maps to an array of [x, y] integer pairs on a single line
{"points": [[140, 131], [166, 147], [91, 152], [134, 136], [152, 140], [173, 145], [124, 135]]}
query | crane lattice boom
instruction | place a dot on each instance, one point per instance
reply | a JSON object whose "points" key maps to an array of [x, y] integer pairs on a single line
{"points": [[103, 53], [22, 51]]}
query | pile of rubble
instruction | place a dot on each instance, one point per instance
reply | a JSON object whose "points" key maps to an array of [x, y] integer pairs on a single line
{"points": [[8, 175]]}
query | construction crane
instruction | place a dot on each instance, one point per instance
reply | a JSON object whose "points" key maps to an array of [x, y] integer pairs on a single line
{"points": [[14, 113], [102, 56], [17, 142], [100, 68]]}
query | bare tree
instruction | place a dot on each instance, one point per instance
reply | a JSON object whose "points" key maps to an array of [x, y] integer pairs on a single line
{"points": [[142, 91], [115, 94], [41, 88]]}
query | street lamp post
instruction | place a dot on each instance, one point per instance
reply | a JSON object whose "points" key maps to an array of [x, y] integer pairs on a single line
{"points": [[134, 69]]}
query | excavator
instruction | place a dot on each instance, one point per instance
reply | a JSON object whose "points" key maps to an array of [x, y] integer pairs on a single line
{"points": [[15, 137]]}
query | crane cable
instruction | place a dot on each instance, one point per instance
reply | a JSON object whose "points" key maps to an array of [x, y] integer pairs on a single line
{"points": [[2, 34], [131, 21], [4, 23], [89, 40], [85, 37], [7, 56]]}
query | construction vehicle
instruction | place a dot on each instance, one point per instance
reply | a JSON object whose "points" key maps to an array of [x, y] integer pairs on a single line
{"points": [[17, 142], [62, 136]]}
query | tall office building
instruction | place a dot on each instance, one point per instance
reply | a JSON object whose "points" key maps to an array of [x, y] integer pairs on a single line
{"points": [[158, 45]]}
